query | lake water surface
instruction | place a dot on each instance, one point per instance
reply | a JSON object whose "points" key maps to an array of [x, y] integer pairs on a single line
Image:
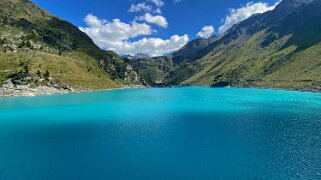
{"points": [[178, 133]]}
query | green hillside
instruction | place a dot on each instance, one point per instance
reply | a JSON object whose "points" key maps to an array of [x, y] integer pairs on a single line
{"points": [[278, 49], [80, 74], [30, 36]]}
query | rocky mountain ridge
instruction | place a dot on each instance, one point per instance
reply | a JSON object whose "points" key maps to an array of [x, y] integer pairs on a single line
{"points": [[277, 49], [30, 36]]}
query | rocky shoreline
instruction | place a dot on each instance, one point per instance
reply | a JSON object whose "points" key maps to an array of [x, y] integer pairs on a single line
{"points": [[10, 89], [312, 90], [317, 90]]}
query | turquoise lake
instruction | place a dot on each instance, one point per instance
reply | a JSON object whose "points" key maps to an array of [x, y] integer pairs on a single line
{"points": [[171, 133]]}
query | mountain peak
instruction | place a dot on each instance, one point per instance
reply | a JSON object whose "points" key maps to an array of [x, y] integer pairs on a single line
{"points": [[142, 55], [290, 4]]}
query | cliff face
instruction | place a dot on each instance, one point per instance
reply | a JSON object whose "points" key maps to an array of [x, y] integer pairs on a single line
{"points": [[153, 70], [192, 50]]}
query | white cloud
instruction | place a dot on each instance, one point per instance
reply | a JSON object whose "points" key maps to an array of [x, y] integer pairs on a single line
{"points": [[152, 46], [106, 34], [140, 7], [158, 20], [158, 11], [117, 35], [158, 3], [206, 32], [144, 7], [238, 15]]}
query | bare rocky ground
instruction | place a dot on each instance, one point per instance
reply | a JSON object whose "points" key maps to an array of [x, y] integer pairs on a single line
{"points": [[9, 89]]}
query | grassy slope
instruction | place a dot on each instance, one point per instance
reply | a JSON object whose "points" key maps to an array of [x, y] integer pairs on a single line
{"points": [[279, 49], [69, 54], [69, 71], [247, 64], [302, 70]]}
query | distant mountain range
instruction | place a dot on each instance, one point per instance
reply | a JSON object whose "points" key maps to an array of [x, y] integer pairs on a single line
{"points": [[137, 56], [277, 49]]}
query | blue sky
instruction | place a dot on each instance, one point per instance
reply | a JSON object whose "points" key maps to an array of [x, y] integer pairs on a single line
{"points": [[154, 27]]}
